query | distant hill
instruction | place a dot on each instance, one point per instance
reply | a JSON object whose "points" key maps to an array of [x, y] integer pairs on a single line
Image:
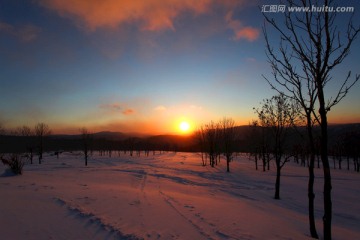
{"points": [[242, 131], [111, 135], [119, 140], [179, 142]]}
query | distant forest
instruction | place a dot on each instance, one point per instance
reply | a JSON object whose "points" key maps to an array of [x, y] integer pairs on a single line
{"points": [[343, 138]]}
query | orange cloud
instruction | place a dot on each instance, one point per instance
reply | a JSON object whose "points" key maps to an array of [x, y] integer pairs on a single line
{"points": [[128, 111], [152, 15], [248, 33], [240, 31], [117, 107]]}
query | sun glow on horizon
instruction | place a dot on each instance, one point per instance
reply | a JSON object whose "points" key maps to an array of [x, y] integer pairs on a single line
{"points": [[184, 127]]}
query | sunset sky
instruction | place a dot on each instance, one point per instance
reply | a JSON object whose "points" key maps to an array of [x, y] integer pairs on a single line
{"points": [[140, 66]]}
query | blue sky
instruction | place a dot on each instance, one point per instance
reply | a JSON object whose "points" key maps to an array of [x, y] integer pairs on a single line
{"points": [[139, 66]]}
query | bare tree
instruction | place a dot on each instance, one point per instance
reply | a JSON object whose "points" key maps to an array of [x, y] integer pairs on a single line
{"points": [[211, 134], [352, 143], [311, 46], [199, 136], [228, 137], [42, 130], [253, 142], [131, 144], [26, 132], [86, 138], [278, 115]]}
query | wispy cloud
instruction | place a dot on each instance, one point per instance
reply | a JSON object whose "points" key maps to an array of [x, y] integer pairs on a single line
{"points": [[128, 111], [24, 33], [241, 31], [117, 108]]}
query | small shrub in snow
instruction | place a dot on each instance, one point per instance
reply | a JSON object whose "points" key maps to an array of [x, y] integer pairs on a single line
{"points": [[15, 162]]}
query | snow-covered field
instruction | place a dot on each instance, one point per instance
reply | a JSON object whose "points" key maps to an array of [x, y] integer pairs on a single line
{"points": [[167, 196]]}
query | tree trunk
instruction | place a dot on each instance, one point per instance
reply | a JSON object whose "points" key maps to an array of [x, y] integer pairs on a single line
{"points": [[256, 161], [340, 160], [40, 155], [228, 165], [311, 195], [31, 156], [264, 161], [326, 166], [327, 202], [277, 183], [41, 149], [86, 155], [318, 161]]}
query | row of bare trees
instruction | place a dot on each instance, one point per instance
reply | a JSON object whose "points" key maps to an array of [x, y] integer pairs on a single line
{"points": [[39, 133], [216, 139], [346, 147], [311, 46], [133, 146], [34, 141]]}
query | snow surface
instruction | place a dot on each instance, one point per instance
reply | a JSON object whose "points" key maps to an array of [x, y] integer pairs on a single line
{"points": [[167, 196]]}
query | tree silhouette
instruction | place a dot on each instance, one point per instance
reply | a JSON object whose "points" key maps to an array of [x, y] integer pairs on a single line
{"points": [[199, 136], [86, 138], [311, 47], [212, 135], [41, 131], [253, 141], [25, 131], [277, 115], [228, 137]]}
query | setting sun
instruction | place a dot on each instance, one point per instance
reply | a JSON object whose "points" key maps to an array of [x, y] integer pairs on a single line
{"points": [[184, 126]]}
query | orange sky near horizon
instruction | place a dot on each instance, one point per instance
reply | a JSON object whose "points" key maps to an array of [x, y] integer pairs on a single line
{"points": [[142, 66]]}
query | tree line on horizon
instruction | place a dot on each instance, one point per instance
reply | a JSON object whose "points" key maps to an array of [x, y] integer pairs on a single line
{"points": [[38, 135], [213, 141]]}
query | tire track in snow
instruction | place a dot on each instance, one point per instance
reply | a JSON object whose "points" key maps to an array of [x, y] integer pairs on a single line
{"points": [[92, 219], [172, 203]]}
